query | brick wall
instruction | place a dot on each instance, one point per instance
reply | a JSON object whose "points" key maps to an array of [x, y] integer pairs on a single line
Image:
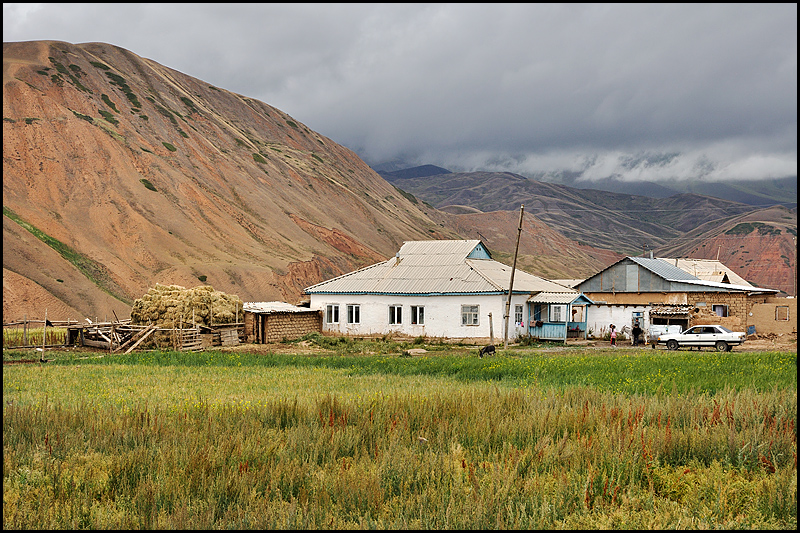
{"points": [[275, 327], [738, 307]]}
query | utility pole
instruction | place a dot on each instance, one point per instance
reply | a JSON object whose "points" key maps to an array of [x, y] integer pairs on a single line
{"points": [[511, 282]]}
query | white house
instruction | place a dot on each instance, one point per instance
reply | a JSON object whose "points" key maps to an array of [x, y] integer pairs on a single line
{"points": [[447, 289]]}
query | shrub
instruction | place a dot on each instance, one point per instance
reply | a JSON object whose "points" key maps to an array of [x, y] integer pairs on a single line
{"points": [[149, 185], [169, 147]]}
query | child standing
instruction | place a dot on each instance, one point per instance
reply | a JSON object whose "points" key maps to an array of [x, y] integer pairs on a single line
{"points": [[613, 335]]}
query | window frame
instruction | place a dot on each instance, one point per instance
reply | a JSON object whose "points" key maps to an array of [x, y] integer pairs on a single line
{"points": [[470, 311], [519, 313], [353, 313], [395, 315], [557, 313], [417, 315], [332, 312], [778, 308], [723, 307]]}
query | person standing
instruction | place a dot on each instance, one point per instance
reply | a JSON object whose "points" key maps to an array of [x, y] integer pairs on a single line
{"points": [[613, 335], [636, 331]]}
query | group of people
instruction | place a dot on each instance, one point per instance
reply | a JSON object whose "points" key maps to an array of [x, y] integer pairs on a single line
{"points": [[636, 333]]}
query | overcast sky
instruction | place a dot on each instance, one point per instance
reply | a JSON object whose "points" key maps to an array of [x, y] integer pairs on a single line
{"points": [[639, 91]]}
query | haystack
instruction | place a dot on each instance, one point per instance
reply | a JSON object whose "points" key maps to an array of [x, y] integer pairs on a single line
{"points": [[169, 306]]}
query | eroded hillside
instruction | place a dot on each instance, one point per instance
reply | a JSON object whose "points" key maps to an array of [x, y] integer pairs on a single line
{"points": [[119, 173]]}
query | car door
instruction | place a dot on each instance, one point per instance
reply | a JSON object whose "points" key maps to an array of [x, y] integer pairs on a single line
{"points": [[692, 336], [708, 337]]}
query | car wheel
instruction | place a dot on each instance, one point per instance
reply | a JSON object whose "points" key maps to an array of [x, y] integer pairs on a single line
{"points": [[672, 344], [722, 346]]}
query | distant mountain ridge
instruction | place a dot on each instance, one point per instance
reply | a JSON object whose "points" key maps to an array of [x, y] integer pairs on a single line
{"points": [[413, 172], [700, 226], [762, 193]]}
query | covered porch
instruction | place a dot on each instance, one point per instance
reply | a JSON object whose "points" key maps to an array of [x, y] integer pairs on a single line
{"points": [[558, 316]]}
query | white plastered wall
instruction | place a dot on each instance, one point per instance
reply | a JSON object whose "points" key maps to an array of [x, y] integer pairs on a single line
{"points": [[442, 315]]}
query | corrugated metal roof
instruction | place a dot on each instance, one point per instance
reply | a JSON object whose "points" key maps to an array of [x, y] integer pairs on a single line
{"points": [[728, 286], [435, 267], [707, 270], [663, 269], [555, 297], [273, 307]]}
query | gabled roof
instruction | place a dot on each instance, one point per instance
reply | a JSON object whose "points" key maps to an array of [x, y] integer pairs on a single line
{"points": [[560, 298], [437, 267], [708, 270], [672, 273], [662, 269]]}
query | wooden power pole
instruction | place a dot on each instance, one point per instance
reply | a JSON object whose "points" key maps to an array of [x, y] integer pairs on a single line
{"points": [[511, 281]]}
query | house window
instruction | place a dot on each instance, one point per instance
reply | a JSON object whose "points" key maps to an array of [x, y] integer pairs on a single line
{"points": [[720, 310], [537, 312], [469, 315], [518, 315], [782, 313], [558, 313], [353, 314], [395, 314], [332, 314], [417, 314]]}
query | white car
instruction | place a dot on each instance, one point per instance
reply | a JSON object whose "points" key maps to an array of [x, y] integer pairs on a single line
{"points": [[716, 336]]}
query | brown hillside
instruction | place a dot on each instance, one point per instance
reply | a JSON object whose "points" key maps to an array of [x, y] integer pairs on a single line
{"points": [[760, 246], [246, 198], [542, 250]]}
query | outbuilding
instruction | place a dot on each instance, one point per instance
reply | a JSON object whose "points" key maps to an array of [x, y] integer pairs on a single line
{"points": [[270, 322]]}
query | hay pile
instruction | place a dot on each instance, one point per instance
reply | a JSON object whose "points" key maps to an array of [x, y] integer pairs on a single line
{"points": [[169, 306]]}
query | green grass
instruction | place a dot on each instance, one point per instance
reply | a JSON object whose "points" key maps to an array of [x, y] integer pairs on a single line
{"points": [[637, 372], [109, 103], [226, 439]]}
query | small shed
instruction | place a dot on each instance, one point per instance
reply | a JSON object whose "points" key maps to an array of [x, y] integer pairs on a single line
{"points": [[270, 322], [558, 315]]}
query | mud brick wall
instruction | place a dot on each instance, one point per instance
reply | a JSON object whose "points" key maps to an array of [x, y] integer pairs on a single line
{"points": [[275, 327], [738, 307]]}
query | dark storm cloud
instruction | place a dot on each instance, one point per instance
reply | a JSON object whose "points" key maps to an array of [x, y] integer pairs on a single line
{"points": [[680, 90]]}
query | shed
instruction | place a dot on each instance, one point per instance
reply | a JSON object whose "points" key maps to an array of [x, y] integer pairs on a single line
{"points": [[269, 322], [558, 315]]}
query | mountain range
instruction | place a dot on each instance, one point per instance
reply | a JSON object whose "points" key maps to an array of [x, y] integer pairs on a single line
{"points": [[757, 242], [120, 173]]}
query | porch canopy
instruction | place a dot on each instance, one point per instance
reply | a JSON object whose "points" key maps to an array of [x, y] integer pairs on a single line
{"points": [[550, 314]]}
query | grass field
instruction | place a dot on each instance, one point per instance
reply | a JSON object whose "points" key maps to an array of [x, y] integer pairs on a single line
{"points": [[527, 439]]}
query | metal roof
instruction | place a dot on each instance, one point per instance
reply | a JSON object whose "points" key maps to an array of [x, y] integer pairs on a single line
{"points": [[558, 298], [436, 267], [670, 272], [273, 307], [663, 269], [707, 270]]}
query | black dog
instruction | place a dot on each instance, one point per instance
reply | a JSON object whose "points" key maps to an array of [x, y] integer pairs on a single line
{"points": [[486, 350]]}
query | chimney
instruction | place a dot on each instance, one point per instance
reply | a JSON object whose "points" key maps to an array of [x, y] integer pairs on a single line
{"points": [[397, 259]]}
